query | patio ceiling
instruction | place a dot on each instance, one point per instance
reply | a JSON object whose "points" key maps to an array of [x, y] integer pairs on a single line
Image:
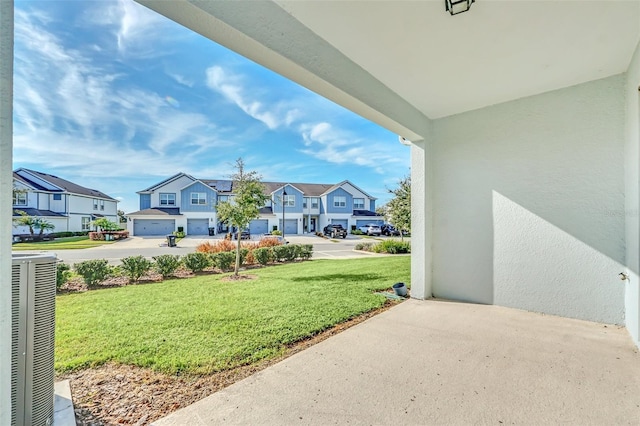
{"points": [[397, 62]]}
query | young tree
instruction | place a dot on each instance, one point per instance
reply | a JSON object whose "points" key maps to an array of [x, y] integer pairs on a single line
{"points": [[121, 216], [245, 206], [399, 208]]}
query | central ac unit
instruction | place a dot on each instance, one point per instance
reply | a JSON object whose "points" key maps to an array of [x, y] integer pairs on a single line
{"points": [[33, 300]]}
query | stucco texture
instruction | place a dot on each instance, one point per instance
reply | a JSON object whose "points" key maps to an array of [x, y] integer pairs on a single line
{"points": [[528, 203]]}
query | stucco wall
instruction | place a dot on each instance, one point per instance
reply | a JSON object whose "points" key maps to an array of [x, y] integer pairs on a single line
{"points": [[632, 203], [529, 203]]}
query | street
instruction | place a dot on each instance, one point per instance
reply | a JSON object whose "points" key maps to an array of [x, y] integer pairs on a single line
{"points": [[154, 246]]}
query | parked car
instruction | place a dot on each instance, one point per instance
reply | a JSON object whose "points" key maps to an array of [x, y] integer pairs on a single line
{"points": [[244, 235], [371, 229], [389, 230], [335, 230]]}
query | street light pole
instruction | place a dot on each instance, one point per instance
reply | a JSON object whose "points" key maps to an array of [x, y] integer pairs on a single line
{"points": [[284, 194]]}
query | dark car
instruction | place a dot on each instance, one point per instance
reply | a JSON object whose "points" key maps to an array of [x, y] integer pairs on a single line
{"points": [[335, 230], [390, 230], [244, 235]]}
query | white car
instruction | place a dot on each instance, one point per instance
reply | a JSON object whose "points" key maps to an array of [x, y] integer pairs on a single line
{"points": [[371, 229]]}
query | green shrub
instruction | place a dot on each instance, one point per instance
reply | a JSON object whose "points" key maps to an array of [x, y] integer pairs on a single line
{"points": [[392, 247], [263, 255], [224, 259], [135, 266], [93, 272], [179, 234], [167, 264], [304, 251], [284, 253], [364, 246], [276, 232], [63, 272], [196, 262], [357, 232]]}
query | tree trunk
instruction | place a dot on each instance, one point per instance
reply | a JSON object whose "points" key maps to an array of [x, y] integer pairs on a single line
{"points": [[237, 268]]}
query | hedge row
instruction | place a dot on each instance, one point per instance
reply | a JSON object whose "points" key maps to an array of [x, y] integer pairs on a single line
{"points": [[93, 272]]}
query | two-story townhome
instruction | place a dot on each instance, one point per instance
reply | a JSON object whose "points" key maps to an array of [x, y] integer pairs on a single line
{"points": [[66, 205], [184, 202]]}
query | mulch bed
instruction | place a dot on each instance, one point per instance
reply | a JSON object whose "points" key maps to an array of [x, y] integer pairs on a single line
{"points": [[126, 395]]}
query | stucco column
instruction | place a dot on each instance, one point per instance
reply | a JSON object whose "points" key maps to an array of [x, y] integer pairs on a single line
{"points": [[421, 220], [6, 185]]}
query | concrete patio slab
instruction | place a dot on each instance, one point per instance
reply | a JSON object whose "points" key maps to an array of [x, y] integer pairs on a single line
{"points": [[439, 362]]}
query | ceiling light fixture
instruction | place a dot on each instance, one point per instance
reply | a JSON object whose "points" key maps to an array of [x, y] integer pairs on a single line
{"points": [[457, 6]]}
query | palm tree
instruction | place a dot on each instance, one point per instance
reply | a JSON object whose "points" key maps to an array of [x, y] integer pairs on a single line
{"points": [[43, 225], [26, 220]]}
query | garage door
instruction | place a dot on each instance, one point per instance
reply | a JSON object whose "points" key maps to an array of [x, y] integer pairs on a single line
{"points": [[147, 227], [197, 226], [290, 226], [343, 222], [259, 226]]}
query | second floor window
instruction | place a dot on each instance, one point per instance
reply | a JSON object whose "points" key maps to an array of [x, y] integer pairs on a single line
{"points": [[20, 199], [167, 199], [289, 200], [305, 202], [198, 198], [101, 204], [57, 197], [339, 201], [358, 203], [314, 203], [95, 204]]}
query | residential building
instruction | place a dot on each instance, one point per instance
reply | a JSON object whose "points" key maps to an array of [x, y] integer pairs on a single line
{"points": [[66, 205], [183, 201]]}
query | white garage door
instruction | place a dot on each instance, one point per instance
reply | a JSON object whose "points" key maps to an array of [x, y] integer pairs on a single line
{"points": [[290, 226], [197, 226], [259, 226], [147, 227]]}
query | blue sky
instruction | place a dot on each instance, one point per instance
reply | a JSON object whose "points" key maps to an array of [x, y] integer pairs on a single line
{"points": [[113, 96]]}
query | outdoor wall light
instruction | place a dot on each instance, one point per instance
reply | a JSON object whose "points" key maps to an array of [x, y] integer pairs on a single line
{"points": [[457, 6]]}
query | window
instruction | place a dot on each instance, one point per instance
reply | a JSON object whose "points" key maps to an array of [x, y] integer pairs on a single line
{"points": [[86, 223], [167, 199], [101, 204], [289, 200], [339, 201], [358, 203], [57, 197], [304, 202], [223, 198], [198, 198], [314, 203], [95, 204], [20, 199]]}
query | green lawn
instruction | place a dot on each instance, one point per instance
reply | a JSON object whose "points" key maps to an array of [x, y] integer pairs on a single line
{"points": [[202, 325], [61, 244]]}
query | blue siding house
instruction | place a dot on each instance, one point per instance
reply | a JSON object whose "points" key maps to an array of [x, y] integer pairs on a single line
{"points": [[185, 203]]}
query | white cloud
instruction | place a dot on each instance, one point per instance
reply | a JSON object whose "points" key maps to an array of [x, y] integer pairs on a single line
{"points": [[324, 142], [230, 86]]}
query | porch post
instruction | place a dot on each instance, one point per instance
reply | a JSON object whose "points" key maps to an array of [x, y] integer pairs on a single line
{"points": [[6, 186], [421, 220]]}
